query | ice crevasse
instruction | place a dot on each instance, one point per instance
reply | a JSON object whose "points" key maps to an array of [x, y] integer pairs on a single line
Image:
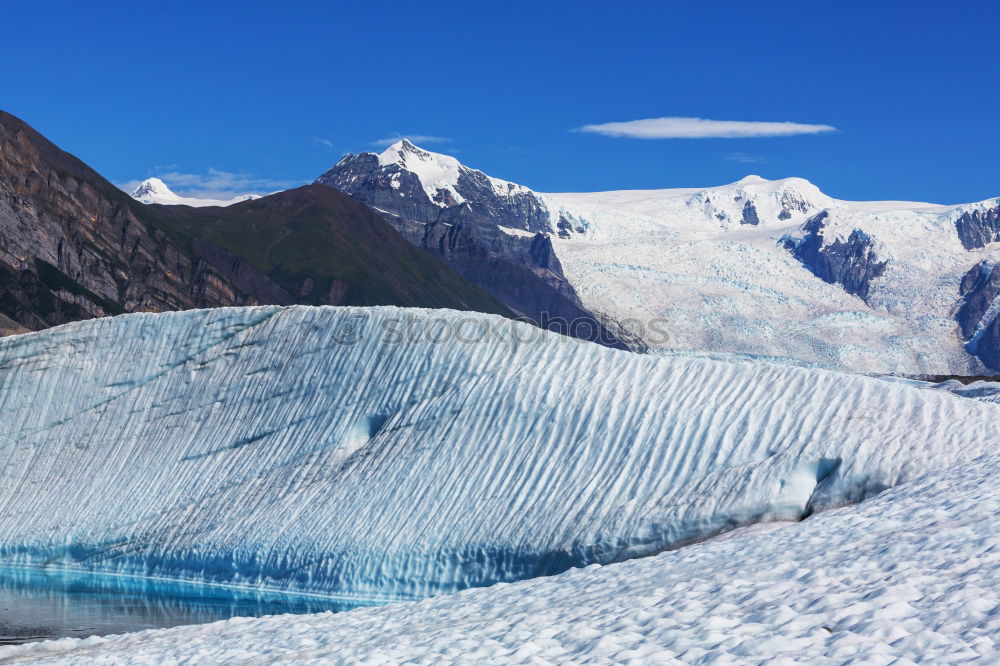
{"points": [[384, 453]]}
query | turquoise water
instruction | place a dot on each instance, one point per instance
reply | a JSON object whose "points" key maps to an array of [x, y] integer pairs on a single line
{"points": [[39, 604]]}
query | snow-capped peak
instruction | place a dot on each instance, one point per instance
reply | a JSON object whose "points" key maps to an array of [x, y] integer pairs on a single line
{"points": [[436, 171], [751, 179], [155, 191], [439, 174], [404, 151], [153, 188]]}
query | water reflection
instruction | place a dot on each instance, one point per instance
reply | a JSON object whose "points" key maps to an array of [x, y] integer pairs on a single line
{"points": [[37, 604]]}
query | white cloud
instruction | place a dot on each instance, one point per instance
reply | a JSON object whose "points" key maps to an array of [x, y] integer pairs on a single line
{"points": [[746, 158], [320, 141], [215, 184], [128, 185], [701, 128], [413, 138]]}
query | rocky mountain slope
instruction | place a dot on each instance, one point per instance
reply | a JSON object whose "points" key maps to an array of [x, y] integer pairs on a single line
{"points": [[73, 246], [321, 248], [758, 268], [495, 233]]}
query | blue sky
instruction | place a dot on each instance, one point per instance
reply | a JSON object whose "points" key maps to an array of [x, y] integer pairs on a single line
{"points": [[257, 95]]}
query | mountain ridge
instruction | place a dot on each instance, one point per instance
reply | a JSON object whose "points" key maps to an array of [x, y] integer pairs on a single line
{"points": [[760, 268], [74, 246]]}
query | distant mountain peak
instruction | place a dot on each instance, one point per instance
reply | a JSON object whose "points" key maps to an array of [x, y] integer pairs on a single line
{"points": [[155, 191], [153, 188], [414, 158]]}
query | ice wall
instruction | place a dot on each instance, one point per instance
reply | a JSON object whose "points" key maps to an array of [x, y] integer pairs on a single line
{"points": [[387, 453]]}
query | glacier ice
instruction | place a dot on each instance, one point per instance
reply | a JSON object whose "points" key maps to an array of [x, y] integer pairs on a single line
{"points": [[908, 577], [383, 453], [684, 257]]}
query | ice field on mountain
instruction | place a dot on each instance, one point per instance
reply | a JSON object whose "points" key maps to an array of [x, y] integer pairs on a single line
{"points": [[722, 285], [384, 453], [773, 269], [906, 577]]}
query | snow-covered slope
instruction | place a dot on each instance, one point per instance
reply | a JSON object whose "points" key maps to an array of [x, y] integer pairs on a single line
{"points": [[441, 181], [440, 175], [777, 269], [387, 453], [155, 191], [761, 268], [908, 577]]}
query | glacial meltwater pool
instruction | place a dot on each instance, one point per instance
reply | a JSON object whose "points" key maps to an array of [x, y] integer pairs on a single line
{"points": [[39, 604]]}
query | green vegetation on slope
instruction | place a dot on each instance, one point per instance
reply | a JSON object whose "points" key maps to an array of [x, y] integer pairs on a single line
{"points": [[324, 247]]}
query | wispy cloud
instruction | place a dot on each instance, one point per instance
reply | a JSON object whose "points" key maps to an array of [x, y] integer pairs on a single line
{"points": [[746, 158], [325, 143], [701, 128], [413, 138], [215, 184]]}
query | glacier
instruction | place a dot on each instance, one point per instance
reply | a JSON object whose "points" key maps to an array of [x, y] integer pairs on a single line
{"points": [[907, 577], [729, 285], [394, 454]]}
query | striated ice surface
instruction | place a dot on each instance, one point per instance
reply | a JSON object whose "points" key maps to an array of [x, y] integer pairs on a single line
{"points": [[908, 577], [384, 453]]}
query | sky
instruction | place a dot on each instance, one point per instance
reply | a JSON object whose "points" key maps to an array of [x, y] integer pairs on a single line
{"points": [[869, 100]]}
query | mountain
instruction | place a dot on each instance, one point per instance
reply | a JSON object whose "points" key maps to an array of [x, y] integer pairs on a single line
{"points": [[778, 269], [154, 190], [73, 246], [321, 248], [494, 233], [756, 268], [387, 453]]}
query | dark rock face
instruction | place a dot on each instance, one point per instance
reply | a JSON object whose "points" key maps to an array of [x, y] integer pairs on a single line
{"points": [[73, 246], [988, 345], [517, 208], [977, 315], [979, 228], [567, 228], [520, 269], [750, 214], [852, 263], [979, 288], [242, 275]]}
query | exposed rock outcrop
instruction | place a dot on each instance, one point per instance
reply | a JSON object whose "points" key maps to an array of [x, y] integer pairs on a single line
{"points": [[853, 263], [750, 214], [72, 246], [979, 312], [979, 228]]}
